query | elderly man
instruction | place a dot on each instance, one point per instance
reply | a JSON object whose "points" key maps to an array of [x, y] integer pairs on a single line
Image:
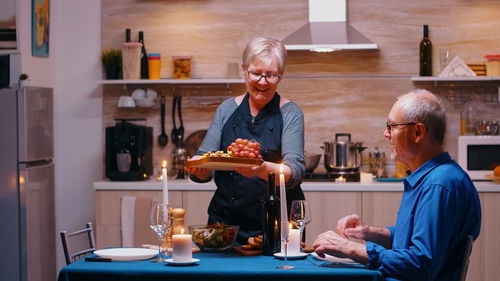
{"points": [[439, 208]]}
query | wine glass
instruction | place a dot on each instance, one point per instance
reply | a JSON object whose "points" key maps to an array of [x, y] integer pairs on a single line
{"points": [[159, 221], [300, 215], [284, 243]]}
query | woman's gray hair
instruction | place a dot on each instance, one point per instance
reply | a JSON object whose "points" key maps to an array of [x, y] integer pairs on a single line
{"points": [[265, 50], [422, 106]]}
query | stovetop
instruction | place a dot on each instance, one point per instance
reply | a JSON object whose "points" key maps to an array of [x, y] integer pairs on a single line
{"points": [[349, 176]]}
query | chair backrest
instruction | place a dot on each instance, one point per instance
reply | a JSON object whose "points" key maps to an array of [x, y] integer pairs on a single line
{"points": [[74, 256], [465, 261]]}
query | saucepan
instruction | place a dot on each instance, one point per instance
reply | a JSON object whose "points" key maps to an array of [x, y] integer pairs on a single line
{"points": [[342, 154]]}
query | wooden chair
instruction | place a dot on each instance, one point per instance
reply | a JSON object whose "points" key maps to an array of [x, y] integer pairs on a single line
{"points": [[465, 261], [74, 256]]}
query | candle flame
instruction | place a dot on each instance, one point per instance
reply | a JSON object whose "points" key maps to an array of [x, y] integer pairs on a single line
{"points": [[290, 226], [182, 230], [281, 168], [341, 178], [164, 164]]}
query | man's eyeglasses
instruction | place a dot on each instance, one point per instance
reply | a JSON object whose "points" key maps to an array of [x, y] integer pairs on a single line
{"points": [[389, 126], [256, 76]]}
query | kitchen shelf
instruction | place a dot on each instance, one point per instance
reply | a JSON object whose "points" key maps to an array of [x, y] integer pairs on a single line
{"points": [[174, 81], [487, 88], [455, 79]]}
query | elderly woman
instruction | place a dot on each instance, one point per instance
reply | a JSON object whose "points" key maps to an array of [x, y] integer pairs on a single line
{"points": [[263, 115]]}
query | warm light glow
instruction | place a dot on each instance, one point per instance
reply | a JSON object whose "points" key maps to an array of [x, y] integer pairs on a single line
{"points": [[341, 178], [290, 226], [21, 180], [323, 50], [182, 230], [281, 168], [164, 164]]}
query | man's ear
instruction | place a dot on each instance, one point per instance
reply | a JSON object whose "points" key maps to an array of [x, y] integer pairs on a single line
{"points": [[420, 132]]}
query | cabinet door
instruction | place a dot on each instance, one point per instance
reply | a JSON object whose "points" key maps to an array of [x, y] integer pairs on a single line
{"points": [[327, 208], [485, 257], [196, 205], [108, 213], [380, 208]]}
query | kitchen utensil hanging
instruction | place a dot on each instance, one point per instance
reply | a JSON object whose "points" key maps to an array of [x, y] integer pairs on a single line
{"points": [[177, 134], [162, 138]]}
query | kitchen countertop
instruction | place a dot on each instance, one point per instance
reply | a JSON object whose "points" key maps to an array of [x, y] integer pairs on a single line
{"points": [[188, 185]]}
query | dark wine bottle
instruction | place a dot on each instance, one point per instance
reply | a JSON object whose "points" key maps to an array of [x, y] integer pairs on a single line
{"points": [[426, 54], [144, 58], [127, 35], [271, 219]]}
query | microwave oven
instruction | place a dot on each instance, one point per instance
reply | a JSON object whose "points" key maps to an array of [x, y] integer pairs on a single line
{"points": [[478, 155]]}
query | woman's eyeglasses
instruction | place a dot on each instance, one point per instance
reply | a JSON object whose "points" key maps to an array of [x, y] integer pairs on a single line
{"points": [[256, 76]]}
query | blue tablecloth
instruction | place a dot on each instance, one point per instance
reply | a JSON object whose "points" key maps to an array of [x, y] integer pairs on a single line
{"points": [[218, 266]]}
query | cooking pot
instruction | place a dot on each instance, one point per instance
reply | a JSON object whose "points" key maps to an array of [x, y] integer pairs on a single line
{"points": [[342, 155]]}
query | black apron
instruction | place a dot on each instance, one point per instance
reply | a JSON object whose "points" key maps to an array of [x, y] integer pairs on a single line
{"points": [[237, 200]]}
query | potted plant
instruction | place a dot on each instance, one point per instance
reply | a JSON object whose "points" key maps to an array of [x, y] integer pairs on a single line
{"points": [[112, 62], [23, 80]]}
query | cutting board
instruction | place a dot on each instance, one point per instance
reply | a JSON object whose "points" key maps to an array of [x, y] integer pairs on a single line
{"points": [[249, 252], [223, 163]]}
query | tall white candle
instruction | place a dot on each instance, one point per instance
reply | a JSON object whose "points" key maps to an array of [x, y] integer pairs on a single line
{"points": [[182, 249], [284, 214], [165, 182]]}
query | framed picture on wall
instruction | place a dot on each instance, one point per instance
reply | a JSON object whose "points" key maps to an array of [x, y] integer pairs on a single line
{"points": [[40, 20]]}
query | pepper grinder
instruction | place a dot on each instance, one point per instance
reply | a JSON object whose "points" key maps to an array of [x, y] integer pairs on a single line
{"points": [[177, 224]]}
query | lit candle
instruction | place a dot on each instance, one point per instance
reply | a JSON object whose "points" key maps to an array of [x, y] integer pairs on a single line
{"points": [[165, 182], [293, 242], [340, 180], [284, 214], [182, 247]]}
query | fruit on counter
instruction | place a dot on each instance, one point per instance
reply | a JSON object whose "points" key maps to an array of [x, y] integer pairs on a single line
{"points": [[244, 148], [496, 171]]}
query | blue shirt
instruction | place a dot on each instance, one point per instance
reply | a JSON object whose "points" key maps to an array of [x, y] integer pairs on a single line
{"points": [[439, 208]]}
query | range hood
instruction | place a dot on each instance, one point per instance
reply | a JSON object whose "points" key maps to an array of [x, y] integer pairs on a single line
{"points": [[328, 30]]}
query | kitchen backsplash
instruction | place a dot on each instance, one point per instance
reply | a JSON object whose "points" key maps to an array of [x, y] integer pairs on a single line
{"points": [[340, 92]]}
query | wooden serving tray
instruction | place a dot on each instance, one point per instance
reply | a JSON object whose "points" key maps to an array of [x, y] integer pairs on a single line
{"points": [[223, 163], [247, 252]]}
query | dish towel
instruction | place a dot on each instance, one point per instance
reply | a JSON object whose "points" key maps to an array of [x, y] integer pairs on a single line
{"points": [[127, 219]]}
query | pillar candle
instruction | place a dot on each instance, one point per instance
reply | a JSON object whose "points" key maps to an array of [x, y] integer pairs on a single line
{"points": [[284, 214], [165, 182], [182, 248], [293, 242]]}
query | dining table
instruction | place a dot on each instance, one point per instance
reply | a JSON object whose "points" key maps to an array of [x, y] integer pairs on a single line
{"points": [[226, 265]]}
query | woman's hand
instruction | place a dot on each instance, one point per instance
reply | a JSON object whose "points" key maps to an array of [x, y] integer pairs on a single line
{"points": [[200, 173], [259, 171]]}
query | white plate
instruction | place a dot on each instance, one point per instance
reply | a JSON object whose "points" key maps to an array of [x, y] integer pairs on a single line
{"points": [[171, 261], [333, 259], [127, 254], [291, 257]]}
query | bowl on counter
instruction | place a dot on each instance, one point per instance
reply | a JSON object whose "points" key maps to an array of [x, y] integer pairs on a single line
{"points": [[487, 127], [213, 238], [312, 161]]}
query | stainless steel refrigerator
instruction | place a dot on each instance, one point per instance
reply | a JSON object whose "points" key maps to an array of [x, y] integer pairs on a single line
{"points": [[27, 209]]}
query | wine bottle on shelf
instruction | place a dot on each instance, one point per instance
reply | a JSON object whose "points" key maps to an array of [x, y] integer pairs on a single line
{"points": [[271, 219], [144, 58], [127, 35], [426, 54]]}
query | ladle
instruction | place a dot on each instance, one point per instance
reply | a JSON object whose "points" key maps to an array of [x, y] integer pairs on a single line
{"points": [[162, 138]]}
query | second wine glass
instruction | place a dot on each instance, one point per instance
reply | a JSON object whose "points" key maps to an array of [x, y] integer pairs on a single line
{"points": [[159, 221], [300, 215]]}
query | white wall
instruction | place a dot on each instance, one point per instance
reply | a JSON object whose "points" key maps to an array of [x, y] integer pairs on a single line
{"points": [[72, 69]]}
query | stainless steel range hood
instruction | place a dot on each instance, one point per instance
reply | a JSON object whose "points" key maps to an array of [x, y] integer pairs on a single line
{"points": [[328, 30]]}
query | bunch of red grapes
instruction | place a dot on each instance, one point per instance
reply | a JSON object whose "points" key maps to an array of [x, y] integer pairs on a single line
{"points": [[244, 148]]}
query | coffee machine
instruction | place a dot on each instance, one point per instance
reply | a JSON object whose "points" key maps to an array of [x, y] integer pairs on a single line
{"points": [[129, 146]]}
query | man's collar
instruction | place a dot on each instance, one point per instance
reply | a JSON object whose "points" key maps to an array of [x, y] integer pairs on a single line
{"points": [[414, 178]]}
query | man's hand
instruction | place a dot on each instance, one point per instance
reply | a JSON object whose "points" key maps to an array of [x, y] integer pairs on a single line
{"points": [[352, 226], [334, 244]]}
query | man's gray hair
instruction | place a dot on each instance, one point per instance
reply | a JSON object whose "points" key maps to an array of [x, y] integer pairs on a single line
{"points": [[422, 106]]}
